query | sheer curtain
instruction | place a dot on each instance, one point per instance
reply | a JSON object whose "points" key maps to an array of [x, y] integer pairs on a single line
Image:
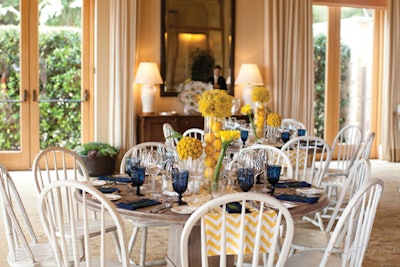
{"points": [[122, 46], [391, 88], [289, 58]]}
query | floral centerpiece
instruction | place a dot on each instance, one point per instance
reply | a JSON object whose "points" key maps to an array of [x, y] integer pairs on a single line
{"points": [[260, 96], [214, 105]]}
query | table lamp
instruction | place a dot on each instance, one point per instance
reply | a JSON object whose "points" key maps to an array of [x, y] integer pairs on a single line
{"points": [[148, 75], [249, 76]]}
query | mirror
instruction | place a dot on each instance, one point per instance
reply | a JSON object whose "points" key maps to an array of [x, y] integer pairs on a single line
{"points": [[196, 35]]}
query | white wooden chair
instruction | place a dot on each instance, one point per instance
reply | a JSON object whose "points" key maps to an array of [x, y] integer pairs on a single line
{"points": [[365, 149], [58, 163], [345, 148], [57, 212], [352, 232], [195, 132], [314, 239], [143, 224], [168, 130], [24, 249], [218, 206], [310, 157]]}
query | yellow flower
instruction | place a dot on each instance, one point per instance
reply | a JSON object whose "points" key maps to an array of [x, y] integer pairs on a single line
{"points": [[260, 94], [227, 138], [273, 119], [246, 110], [215, 103]]}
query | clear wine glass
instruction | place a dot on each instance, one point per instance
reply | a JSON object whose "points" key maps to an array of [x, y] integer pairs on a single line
{"points": [[152, 160], [273, 174], [138, 174], [180, 182], [196, 169]]}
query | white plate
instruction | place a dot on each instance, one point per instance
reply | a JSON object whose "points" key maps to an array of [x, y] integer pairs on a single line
{"points": [[113, 197], [97, 182], [184, 209], [310, 191]]}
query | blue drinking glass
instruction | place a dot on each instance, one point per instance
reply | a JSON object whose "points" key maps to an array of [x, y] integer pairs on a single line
{"points": [[245, 178], [285, 136], [273, 174], [138, 175], [301, 132], [244, 135], [180, 182]]}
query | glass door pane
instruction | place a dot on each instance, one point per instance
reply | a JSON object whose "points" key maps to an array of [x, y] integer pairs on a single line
{"points": [[10, 93], [59, 98]]}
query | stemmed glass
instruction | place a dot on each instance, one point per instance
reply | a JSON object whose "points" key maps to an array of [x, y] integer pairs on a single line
{"points": [[180, 182], [245, 178], [152, 160], [138, 174], [244, 135], [273, 174], [285, 136], [196, 169]]}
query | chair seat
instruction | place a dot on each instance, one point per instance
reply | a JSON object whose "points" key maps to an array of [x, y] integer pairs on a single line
{"points": [[43, 253], [95, 228], [310, 239], [333, 181], [311, 258]]}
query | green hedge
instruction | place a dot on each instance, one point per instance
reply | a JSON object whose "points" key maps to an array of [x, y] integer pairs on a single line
{"points": [[60, 78]]}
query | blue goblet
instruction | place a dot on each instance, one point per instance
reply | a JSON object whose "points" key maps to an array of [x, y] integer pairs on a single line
{"points": [[138, 175], [180, 182], [244, 135], [273, 174], [285, 136], [301, 132], [245, 178]]}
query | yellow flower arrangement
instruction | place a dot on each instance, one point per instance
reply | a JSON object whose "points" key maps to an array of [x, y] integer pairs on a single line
{"points": [[273, 119], [215, 103], [227, 137], [260, 94]]}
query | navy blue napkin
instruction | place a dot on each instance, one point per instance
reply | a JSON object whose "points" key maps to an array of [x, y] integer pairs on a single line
{"points": [[141, 203], [297, 198], [116, 179], [108, 190], [235, 207], [292, 184]]}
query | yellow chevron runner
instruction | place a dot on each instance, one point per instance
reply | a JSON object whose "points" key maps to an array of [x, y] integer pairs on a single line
{"points": [[213, 223]]}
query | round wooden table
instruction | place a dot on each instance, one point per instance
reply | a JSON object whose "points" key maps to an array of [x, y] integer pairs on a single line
{"points": [[177, 221]]}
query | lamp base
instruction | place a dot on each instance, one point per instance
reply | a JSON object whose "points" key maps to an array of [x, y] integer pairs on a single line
{"points": [[246, 95], [148, 96]]}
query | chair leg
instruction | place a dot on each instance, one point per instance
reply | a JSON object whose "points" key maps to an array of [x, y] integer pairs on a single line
{"points": [[116, 244], [143, 247]]}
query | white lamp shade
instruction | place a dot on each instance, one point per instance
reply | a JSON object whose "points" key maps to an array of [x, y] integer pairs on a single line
{"points": [[148, 73], [249, 74]]}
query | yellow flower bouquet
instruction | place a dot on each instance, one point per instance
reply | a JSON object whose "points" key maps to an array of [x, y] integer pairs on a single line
{"points": [[273, 119], [215, 103], [260, 94]]}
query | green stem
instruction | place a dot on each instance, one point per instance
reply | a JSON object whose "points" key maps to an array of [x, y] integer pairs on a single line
{"points": [[253, 127], [221, 156]]}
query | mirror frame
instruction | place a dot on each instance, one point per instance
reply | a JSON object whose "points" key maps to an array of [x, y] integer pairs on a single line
{"points": [[163, 46]]}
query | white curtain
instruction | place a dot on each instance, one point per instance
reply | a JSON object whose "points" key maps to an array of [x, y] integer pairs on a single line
{"points": [[289, 58], [391, 87], [122, 46]]}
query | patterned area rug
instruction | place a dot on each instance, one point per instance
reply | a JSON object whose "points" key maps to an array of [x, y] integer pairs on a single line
{"points": [[383, 249]]}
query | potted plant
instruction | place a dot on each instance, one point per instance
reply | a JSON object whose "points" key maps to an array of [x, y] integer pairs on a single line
{"points": [[99, 158]]}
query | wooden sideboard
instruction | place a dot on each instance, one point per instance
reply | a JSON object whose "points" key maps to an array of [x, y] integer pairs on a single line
{"points": [[150, 126]]}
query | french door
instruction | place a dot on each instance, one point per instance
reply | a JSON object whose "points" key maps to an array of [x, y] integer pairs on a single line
{"points": [[45, 77]]}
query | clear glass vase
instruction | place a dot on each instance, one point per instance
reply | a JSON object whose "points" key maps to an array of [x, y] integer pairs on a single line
{"points": [[212, 144], [259, 120]]}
